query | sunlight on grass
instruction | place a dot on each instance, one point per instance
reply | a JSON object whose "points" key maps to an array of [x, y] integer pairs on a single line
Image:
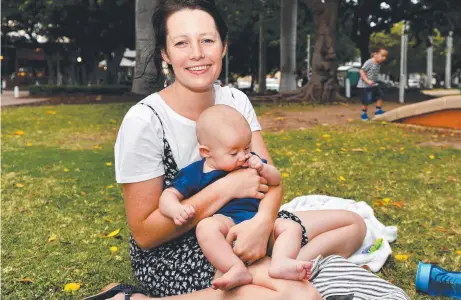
{"points": [[60, 201]]}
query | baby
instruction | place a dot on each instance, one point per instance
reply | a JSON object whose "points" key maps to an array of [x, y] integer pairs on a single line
{"points": [[225, 141]]}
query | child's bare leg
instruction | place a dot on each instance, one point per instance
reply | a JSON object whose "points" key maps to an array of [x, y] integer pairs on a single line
{"points": [[211, 235], [379, 103], [286, 241]]}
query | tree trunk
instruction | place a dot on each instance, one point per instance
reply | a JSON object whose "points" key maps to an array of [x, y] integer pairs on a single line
{"points": [[363, 44], [145, 73], [288, 21], [50, 65], [262, 50], [323, 85]]}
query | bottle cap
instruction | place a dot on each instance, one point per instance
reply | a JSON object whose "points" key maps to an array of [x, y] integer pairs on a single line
{"points": [[423, 276]]}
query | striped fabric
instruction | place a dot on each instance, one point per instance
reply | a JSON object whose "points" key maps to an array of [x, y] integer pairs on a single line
{"points": [[335, 277]]}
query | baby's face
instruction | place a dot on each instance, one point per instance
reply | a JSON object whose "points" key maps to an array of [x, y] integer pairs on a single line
{"points": [[230, 153]]}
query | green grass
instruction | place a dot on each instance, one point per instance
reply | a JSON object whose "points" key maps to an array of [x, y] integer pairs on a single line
{"points": [[56, 181]]}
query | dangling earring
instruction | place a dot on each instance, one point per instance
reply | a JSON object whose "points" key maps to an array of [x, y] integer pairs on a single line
{"points": [[166, 72]]}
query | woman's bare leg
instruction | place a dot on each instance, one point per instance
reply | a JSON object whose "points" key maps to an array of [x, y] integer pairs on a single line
{"points": [[263, 287], [330, 232]]}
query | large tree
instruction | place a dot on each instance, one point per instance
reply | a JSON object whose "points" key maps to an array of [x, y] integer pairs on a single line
{"points": [[144, 82], [323, 84]]}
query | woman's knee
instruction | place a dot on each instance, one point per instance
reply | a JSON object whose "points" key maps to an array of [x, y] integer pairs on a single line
{"points": [[359, 225]]}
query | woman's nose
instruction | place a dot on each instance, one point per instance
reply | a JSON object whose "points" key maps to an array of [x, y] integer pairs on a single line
{"points": [[196, 51]]}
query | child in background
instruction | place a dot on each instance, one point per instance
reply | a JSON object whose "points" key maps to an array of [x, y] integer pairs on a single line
{"points": [[224, 136], [371, 92]]}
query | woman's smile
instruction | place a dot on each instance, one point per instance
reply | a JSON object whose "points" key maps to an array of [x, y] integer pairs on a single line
{"points": [[198, 70]]}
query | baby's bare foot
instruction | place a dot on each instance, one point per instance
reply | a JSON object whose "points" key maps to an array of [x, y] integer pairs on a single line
{"points": [[290, 269], [236, 276]]}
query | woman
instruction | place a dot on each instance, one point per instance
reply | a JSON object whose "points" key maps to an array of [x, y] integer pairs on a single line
{"points": [[157, 137]]}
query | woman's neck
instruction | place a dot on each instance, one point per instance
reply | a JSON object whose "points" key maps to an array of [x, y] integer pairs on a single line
{"points": [[188, 103]]}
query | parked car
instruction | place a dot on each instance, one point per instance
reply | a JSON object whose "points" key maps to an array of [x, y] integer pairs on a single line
{"points": [[272, 84]]}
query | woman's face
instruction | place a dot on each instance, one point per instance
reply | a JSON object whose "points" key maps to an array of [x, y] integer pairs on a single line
{"points": [[194, 49]]}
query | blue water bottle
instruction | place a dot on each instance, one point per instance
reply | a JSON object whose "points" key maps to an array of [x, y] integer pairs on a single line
{"points": [[435, 281]]}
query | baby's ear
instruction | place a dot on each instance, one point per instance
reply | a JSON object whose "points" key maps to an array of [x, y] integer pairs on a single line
{"points": [[204, 151]]}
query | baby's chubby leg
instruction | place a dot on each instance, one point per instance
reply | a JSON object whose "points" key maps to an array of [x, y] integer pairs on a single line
{"points": [[285, 243], [170, 206], [211, 235]]}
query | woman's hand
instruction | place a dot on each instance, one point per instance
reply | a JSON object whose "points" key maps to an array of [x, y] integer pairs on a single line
{"points": [[251, 238], [246, 183]]}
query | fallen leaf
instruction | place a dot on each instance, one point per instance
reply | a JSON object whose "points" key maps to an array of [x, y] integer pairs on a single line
{"points": [[401, 257], [51, 112], [113, 249], [108, 164], [350, 120], [452, 178], [19, 132], [431, 156], [458, 252], [29, 144], [285, 174], [386, 200], [26, 280], [279, 118], [357, 150], [398, 204], [113, 233], [19, 185], [326, 136], [378, 203], [383, 123], [66, 170], [52, 238], [110, 198], [440, 229], [342, 178], [107, 219], [83, 193], [71, 287], [110, 186], [97, 147], [318, 150]]}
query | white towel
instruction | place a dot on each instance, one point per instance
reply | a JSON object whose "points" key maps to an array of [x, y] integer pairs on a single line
{"points": [[375, 229]]}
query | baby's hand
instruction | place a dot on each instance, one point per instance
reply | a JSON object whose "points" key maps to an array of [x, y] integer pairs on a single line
{"points": [[255, 162], [183, 214]]}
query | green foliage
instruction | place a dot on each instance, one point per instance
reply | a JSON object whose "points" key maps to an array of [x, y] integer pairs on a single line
{"points": [[416, 52], [48, 90], [58, 181]]}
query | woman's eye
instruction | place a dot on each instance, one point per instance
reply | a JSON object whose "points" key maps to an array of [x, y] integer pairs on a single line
{"points": [[208, 41], [180, 43], [233, 154]]}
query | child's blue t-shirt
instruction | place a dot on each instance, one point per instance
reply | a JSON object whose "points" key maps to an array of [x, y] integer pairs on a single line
{"points": [[191, 180]]}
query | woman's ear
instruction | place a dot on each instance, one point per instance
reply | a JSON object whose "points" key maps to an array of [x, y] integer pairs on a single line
{"points": [[204, 151], [224, 51], [165, 56]]}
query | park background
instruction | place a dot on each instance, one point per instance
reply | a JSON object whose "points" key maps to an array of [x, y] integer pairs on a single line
{"points": [[76, 66]]}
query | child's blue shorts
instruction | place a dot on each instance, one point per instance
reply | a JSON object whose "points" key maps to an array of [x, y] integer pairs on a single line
{"points": [[371, 95]]}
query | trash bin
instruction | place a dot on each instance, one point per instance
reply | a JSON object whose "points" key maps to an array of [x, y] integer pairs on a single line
{"points": [[353, 74]]}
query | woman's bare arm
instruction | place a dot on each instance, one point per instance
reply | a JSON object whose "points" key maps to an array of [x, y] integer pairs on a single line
{"points": [[270, 205], [149, 227]]}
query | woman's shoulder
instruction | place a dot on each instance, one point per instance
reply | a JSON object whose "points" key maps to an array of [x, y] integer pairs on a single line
{"points": [[143, 109], [231, 96]]}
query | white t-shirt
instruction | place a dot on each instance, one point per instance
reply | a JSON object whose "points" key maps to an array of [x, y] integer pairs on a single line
{"points": [[139, 145]]}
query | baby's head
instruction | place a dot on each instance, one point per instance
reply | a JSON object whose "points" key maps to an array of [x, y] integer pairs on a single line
{"points": [[224, 137]]}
